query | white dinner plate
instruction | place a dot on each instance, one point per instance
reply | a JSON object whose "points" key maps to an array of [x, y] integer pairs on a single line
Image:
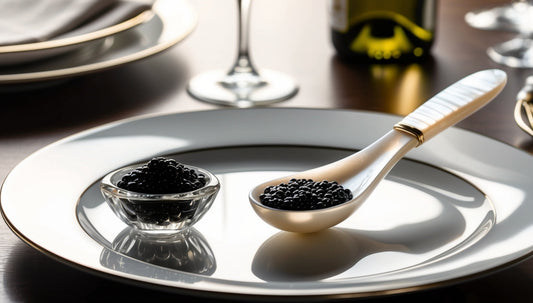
{"points": [[173, 21], [28, 52], [456, 207]]}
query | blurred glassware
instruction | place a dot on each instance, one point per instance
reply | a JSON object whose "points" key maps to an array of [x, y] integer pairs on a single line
{"points": [[523, 111], [516, 17], [506, 17], [243, 85]]}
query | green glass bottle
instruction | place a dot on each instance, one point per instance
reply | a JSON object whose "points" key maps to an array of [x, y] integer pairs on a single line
{"points": [[382, 31]]}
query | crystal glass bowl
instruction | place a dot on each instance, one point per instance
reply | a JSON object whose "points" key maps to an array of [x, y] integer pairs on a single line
{"points": [[159, 213]]}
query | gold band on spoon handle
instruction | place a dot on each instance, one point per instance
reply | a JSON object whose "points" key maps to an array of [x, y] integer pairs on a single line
{"points": [[453, 104]]}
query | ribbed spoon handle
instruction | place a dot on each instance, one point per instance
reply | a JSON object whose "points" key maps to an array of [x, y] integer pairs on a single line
{"points": [[453, 104]]}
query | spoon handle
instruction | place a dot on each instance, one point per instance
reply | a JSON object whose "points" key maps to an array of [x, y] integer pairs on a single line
{"points": [[453, 104]]}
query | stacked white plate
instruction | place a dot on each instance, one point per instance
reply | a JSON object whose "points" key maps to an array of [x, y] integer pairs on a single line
{"points": [[143, 35]]}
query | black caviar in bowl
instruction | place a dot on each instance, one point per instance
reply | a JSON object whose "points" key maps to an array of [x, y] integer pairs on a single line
{"points": [[160, 196]]}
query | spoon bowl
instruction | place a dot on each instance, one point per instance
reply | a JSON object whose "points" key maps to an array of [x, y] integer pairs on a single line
{"points": [[362, 171], [302, 221]]}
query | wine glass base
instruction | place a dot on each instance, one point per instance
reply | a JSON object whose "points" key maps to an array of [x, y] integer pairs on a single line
{"points": [[516, 53], [507, 17], [273, 87]]}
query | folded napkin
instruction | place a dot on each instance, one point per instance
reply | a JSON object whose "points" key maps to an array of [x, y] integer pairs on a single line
{"points": [[28, 21]]}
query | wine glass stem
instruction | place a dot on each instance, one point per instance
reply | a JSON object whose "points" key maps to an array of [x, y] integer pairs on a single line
{"points": [[243, 63]]}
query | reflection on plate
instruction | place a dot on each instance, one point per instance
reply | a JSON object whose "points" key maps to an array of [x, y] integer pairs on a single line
{"points": [[22, 53], [458, 207], [185, 251], [173, 21]]}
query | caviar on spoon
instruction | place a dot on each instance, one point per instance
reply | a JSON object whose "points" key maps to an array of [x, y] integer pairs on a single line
{"points": [[362, 171], [305, 194]]}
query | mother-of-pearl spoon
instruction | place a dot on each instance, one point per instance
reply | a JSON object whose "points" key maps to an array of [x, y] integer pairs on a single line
{"points": [[362, 171]]}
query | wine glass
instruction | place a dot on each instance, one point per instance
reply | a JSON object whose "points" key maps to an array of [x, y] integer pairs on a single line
{"points": [[243, 85], [506, 17], [516, 17], [517, 52]]}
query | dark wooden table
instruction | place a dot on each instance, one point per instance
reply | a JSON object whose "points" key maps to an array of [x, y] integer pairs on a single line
{"points": [[289, 36]]}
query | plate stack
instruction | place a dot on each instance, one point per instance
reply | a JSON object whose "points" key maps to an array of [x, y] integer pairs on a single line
{"points": [[43, 40]]}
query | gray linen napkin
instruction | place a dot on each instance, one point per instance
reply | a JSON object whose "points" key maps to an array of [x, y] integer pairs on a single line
{"points": [[28, 21]]}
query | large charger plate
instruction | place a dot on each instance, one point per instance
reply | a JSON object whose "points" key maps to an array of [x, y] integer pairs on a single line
{"points": [[455, 208], [173, 21]]}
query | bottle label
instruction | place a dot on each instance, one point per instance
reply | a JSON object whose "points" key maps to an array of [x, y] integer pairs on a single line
{"points": [[338, 14]]}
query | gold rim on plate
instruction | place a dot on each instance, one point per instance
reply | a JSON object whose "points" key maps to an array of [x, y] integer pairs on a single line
{"points": [[87, 37]]}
